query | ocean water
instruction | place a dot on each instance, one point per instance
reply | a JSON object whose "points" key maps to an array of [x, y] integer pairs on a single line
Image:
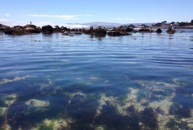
{"points": [[83, 82]]}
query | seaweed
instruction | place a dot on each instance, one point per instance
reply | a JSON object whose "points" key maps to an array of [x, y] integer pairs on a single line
{"points": [[2, 103], [180, 110], [82, 110], [112, 120], [149, 118], [46, 127], [175, 125]]}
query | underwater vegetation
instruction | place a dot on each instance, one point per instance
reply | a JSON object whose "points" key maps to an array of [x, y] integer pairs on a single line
{"points": [[47, 106]]}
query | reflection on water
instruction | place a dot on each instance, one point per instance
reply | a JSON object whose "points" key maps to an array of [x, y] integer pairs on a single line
{"points": [[135, 82]]}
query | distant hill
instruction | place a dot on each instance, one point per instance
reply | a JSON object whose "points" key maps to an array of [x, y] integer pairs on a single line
{"points": [[96, 24], [104, 24]]}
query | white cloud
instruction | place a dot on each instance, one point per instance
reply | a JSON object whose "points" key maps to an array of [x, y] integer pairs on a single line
{"points": [[42, 23], [10, 22], [66, 17], [7, 15], [4, 20]]}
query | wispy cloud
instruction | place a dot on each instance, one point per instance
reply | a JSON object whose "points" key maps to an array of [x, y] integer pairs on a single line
{"points": [[42, 23], [66, 17], [11, 22], [7, 15], [4, 20]]}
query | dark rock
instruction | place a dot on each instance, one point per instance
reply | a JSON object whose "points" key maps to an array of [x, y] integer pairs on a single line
{"points": [[47, 29], [2, 27], [129, 29], [31, 29], [114, 33], [65, 28], [159, 30], [14, 31], [100, 31], [171, 31], [89, 31], [8, 31], [118, 32], [145, 30], [57, 29]]}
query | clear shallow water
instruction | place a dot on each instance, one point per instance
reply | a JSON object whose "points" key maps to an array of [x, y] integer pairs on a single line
{"points": [[142, 81]]}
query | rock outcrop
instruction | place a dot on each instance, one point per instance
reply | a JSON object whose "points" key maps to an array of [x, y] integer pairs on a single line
{"points": [[48, 29], [97, 32], [171, 31], [159, 30], [32, 29], [118, 32], [16, 30]]}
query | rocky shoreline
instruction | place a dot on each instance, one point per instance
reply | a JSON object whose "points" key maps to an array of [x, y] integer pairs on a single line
{"points": [[99, 31]]}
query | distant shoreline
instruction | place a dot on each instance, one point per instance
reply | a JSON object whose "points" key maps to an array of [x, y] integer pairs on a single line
{"points": [[97, 31]]}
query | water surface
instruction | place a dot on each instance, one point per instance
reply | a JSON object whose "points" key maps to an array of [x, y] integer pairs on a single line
{"points": [[141, 81]]}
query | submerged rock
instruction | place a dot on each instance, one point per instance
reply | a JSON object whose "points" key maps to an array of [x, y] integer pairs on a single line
{"points": [[48, 29], [171, 31], [159, 30]]}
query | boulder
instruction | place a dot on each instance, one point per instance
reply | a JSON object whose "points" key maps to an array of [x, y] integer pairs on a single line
{"points": [[14, 31], [129, 29], [3, 27], [117, 32], [64, 29], [89, 31], [171, 31], [8, 31], [32, 29], [100, 31], [57, 29], [145, 30], [114, 33], [48, 29], [159, 30], [97, 32]]}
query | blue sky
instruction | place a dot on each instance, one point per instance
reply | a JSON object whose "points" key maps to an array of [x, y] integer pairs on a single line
{"points": [[60, 12]]}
